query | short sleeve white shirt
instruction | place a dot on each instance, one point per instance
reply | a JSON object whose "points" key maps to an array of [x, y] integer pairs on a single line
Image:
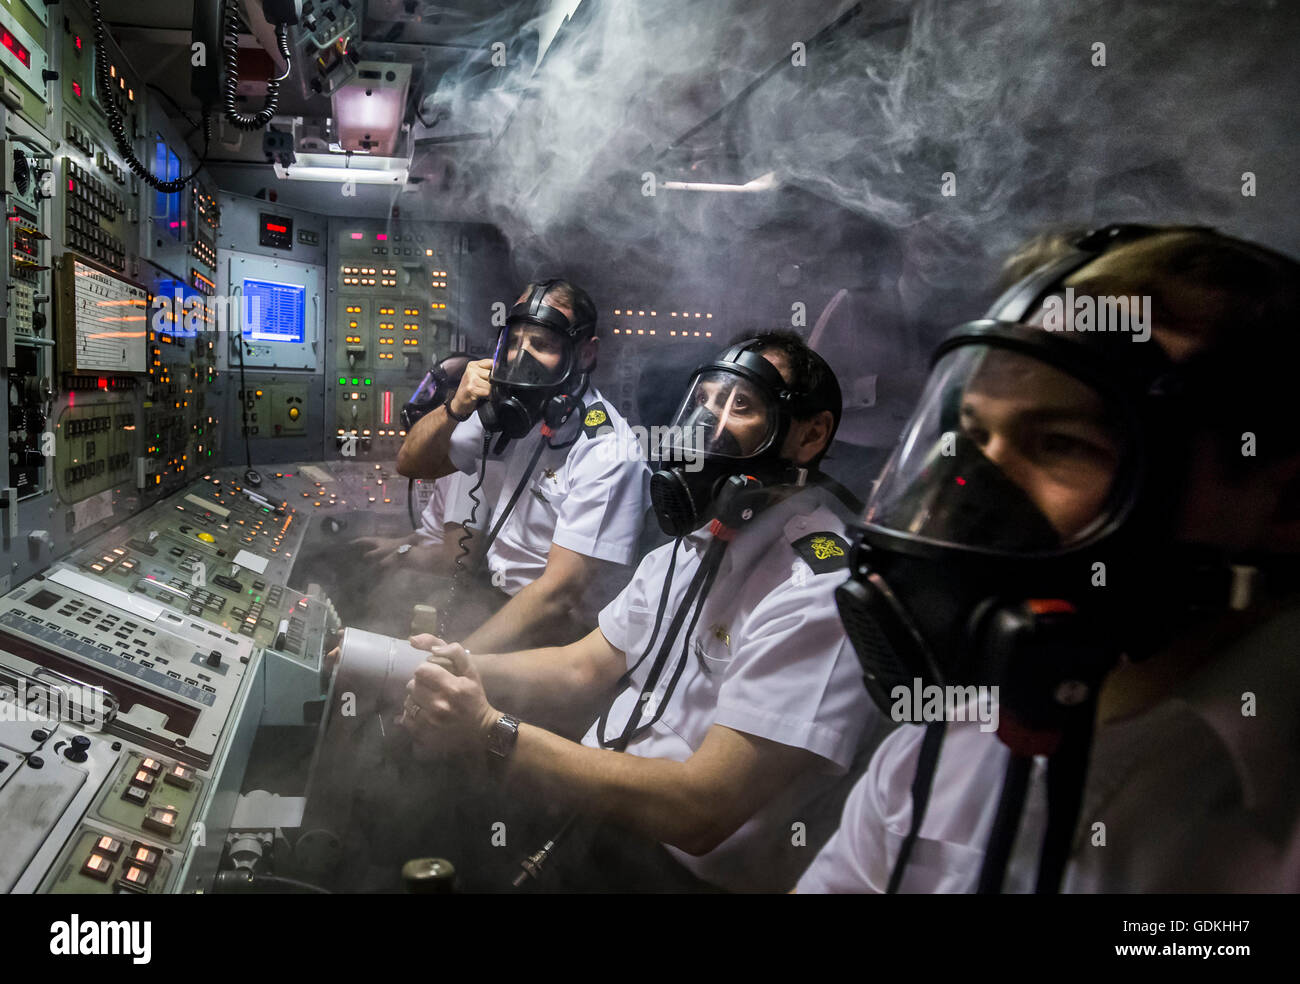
{"points": [[590, 497], [1194, 795], [768, 658]]}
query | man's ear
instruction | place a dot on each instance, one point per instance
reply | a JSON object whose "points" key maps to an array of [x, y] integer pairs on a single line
{"points": [[587, 352], [813, 435]]}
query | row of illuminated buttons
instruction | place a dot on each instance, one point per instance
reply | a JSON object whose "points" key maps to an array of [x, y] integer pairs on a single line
{"points": [[84, 185], [140, 864]]}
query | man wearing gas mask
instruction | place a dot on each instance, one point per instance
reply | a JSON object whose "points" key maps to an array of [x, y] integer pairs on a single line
{"points": [[1091, 526], [566, 515], [735, 695]]}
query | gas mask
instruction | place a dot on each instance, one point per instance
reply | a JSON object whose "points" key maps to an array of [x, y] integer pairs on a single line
{"points": [[536, 373], [733, 422], [1022, 533], [436, 389], [1023, 536]]}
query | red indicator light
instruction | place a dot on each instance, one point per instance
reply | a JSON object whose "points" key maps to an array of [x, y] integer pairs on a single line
{"points": [[272, 227], [381, 235], [76, 89], [960, 480], [358, 235], [76, 43], [21, 53], [388, 406], [71, 185]]}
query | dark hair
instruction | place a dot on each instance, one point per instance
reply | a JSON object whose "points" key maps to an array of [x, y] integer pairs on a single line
{"points": [[576, 300], [808, 375], [1234, 301]]}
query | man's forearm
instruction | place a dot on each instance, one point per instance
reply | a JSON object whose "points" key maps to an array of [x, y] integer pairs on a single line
{"points": [[653, 797], [426, 452], [538, 683], [523, 619]]}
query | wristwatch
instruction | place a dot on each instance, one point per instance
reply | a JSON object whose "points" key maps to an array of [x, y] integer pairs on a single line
{"points": [[403, 548], [502, 738]]}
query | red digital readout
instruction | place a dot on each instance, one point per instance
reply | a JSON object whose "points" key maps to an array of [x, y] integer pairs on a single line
{"points": [[12, 43]]}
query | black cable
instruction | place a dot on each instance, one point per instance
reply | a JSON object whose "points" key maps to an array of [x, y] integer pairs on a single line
{"points": [[1067, 774], [117, 127], [922, 783], [468, 534], [692, 602], [1011, 804], [464, 540], [410, 504], [514, 497], [175, 105], [230, 83], [250, 476], [246, 881]]}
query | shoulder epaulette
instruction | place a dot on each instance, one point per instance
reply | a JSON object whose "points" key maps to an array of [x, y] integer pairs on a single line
{"points": [[823, 551]]}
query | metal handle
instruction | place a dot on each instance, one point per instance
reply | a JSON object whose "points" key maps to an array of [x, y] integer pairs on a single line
{"points": [[109, 702]]}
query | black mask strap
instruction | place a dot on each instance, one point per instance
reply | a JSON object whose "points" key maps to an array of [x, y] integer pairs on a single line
{"points": [[922, 783], [1011, 804], [514, 497], [692, 603], [1067, 772]]}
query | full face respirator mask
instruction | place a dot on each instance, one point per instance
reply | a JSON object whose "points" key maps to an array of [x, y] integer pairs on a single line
{"points": [[1021, 538], [733, 422], [536, 369], [436, 389]]}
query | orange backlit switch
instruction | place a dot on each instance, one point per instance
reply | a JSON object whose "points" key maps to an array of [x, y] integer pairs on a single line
{"points": [[144, 856], [98, 867], [109, 847], [144, 779], [151, 766], [135, 879], [180, 776], [161, 819]]}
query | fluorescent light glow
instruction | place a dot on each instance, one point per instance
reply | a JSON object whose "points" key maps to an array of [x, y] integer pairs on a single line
{"points": [[330, 167], [765, 182]]}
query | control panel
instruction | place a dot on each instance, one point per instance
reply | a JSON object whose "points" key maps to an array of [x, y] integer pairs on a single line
{"points": [[393, 308]]}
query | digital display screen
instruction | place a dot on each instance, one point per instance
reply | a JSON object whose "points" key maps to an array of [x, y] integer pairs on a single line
{"points": [[275, 231], [13, 44], [274, 312], [167, 208], [178, 312]]}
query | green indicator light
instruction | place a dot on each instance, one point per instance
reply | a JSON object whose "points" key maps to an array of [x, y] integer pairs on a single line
{"points": [[343, 380], [257, 598], [367, 382], [355, 382]]}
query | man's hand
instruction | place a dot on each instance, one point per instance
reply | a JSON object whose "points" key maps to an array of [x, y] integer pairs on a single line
{"points": [[445, 702], [375, 548], [474, 388]]}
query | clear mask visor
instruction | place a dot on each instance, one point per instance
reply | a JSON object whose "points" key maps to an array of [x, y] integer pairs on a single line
{"points": [[1004, 453], [530, 355], [724, 415]]}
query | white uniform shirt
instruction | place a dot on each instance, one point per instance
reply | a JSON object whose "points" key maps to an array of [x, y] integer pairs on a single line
{"points": [[450, 503], [583, 498], [768, 658], [1195, 795]]}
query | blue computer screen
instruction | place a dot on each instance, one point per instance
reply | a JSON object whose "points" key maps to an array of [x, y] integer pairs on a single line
{"points": [[274, 312], [177, 304]]}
